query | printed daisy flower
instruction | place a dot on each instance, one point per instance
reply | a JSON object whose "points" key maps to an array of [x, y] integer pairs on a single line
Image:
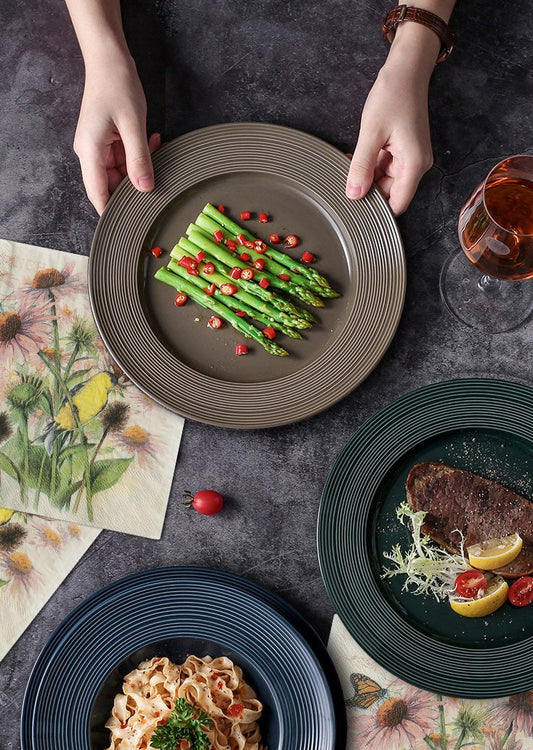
{"points": [[137, 441], [399, 721], [518, 710], [46, 536], [51, 281], [18, 569], [23, 332]]}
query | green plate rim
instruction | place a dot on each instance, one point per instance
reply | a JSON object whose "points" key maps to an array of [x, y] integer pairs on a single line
{"points": [[357, 473]]}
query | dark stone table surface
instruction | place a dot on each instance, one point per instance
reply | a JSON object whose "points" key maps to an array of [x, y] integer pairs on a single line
{"points": [[308, 66]]}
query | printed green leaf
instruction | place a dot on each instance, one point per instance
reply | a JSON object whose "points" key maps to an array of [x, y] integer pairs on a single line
{"points": [[3, 583], [105, 474], [8, 466]]}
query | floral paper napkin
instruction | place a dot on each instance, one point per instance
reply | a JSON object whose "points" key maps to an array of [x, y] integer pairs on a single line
{"points": [[385, 713], [78, 442], [36, 555]]}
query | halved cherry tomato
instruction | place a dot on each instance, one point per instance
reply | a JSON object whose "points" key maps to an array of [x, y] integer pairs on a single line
{"points": [[247, 274], [263, 218], [274, 238], [156, 252], [291, 240], [208, 502], [470, 584], [235, 709], [208, 268], [214, 322], [521, 591], [180, 299]]}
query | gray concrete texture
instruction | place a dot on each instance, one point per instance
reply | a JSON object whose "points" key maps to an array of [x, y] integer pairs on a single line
{"points": [[308, 66]]}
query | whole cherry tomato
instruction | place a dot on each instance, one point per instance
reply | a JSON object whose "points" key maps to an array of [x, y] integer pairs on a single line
{"points": [[208, 502], [521, 591], [470, 584]]}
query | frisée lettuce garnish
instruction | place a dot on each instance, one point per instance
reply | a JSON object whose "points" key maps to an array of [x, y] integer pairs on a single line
{"points": [[429, 569]]}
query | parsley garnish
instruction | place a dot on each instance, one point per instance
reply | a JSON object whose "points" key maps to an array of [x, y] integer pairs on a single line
{"points": [[185, 723]]}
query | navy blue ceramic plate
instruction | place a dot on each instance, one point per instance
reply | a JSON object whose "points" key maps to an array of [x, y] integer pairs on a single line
{"points": [[173, 612]]}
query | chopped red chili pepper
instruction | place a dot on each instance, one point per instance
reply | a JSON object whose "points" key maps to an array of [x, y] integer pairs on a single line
{"points": [[284, 277], [308, 257], [200, 256], [193, 271], [210, 290], [241, 349], [241, 239], [228, 289], [291, 240], [274, 238], [218, 235], [235, 709], [208, 268], [263, 218], [214, 322], [187, 262], [123, 726], [259, 246], [247, 274], [245, 256], [249, 244], [231, 244], [264, 283], [156, 252], [245, 215], [269, 332], [180, 299], [235, 272], [221, 209], [220, 684], [240, 313], [259, 264]]}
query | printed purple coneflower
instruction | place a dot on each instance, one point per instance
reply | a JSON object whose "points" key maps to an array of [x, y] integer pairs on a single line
{"points": [[23, 332], [49, 281]]}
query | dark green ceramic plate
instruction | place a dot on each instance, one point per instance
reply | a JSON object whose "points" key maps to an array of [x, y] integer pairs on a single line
{"points": [[484, 426]]}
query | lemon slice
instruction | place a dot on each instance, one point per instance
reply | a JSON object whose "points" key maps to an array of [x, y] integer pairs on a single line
{"points": [[494, 553], [494, 597]]}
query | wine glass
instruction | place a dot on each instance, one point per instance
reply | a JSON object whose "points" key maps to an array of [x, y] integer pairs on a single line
{"points": [[485, 283]]}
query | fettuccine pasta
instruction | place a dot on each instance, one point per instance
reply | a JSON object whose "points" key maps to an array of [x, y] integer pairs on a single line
{"points": [[215, 685]]}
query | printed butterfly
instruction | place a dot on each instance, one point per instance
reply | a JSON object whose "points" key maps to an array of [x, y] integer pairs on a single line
{"points": [[367, 692]]}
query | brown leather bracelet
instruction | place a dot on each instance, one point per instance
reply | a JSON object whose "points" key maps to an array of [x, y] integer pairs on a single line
{"points": [[419, 15]]}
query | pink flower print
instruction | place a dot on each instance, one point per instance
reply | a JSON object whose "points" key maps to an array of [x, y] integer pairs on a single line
{"points": [[51, 281], [518, 710], [23, 333]]}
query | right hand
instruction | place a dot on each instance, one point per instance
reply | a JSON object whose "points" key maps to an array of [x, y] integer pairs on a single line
{"points": [[110, 139]]}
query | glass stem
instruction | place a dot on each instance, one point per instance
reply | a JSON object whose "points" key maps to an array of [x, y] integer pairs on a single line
{"points": [[489, 284]]}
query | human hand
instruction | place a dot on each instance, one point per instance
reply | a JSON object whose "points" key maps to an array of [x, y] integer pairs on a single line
{"points": [[110, 139], [394, 145]]}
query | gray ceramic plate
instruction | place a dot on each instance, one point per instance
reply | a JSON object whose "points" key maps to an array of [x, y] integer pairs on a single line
{"points": [[170, 353]]}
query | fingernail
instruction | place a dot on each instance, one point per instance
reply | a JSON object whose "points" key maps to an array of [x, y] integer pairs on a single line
{"points": [[354, 191], [146, 183]]}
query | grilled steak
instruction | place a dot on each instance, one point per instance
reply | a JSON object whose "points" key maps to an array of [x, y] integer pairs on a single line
{"points": [[481, 509]]}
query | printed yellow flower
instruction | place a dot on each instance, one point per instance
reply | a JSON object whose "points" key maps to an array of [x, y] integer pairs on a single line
{"points": [[137, 441], [19, 570]]}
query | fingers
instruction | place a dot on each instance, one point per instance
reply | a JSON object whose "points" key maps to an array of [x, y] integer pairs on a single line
{"points": [[138, 159], [94, 174], [361, 174], [405, 179]]}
